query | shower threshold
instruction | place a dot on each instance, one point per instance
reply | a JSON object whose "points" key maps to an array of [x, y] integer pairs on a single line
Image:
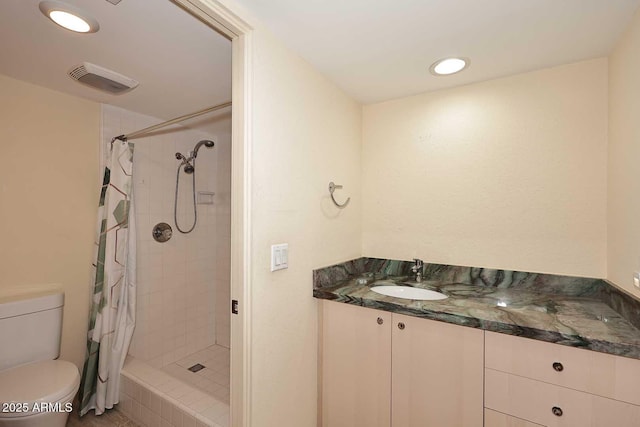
{"points": [[152, 396]]}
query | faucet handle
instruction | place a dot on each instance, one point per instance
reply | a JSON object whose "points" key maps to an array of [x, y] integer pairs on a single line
{"points": [[418, 265]]}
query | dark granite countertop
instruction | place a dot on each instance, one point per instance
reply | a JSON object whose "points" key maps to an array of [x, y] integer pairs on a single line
{"points": [[565, 310]]}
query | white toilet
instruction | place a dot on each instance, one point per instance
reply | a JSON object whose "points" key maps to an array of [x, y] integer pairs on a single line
{"points": [[35, 389]]}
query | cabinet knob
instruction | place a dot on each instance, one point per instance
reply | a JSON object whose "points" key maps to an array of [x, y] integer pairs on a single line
{"points": [[401, 326], [558, 366], [556, 411], [380, 321]]}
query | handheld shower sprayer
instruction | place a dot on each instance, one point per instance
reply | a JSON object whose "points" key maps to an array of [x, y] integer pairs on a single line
{"points": [[205, 142], [189, 166], [188, 162]]}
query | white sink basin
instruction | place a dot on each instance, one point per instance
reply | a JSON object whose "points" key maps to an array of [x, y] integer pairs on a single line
{"points": [[408, 292]]}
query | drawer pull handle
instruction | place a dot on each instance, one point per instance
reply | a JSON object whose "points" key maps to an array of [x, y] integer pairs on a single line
{"points": [[556, 411], [380, 321], [401, 326], [558, 366]]}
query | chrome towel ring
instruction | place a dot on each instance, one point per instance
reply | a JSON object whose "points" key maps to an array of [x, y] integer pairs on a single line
{"points": [[332, 188]]}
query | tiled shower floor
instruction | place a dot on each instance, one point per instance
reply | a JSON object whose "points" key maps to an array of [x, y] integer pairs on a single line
{"points": [[213, 379]]}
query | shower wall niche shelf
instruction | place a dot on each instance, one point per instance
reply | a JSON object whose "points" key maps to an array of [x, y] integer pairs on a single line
{"points": [[205, 197]]}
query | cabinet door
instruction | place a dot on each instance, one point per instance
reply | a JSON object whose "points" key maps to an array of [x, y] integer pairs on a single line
{"points": [[356, 366], [437, 374], [498, 419]]}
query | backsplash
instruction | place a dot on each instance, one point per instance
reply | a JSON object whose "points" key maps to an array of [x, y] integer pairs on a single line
{"points": [[381, 268], [623, 303]]}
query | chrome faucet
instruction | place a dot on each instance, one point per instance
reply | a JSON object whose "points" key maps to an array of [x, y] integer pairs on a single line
{"points": [[417, 269]]}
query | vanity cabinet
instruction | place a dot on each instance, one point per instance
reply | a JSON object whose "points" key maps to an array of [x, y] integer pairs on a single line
{"points": [[555, 385], [356, 366], [382, 369]]}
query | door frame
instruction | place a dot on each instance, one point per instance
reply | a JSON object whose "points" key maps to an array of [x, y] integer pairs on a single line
{"points": [[231, 26]]}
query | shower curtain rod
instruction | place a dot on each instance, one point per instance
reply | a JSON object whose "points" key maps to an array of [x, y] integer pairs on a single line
{"points": [[141, 132]]}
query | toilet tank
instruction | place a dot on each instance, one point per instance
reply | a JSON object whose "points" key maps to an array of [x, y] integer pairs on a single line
{"points": [[30, 327]]}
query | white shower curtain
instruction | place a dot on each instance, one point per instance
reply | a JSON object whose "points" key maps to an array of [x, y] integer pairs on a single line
{"points": [[113, 309]]}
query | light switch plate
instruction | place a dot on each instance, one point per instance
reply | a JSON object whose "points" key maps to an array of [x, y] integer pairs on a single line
{"points": [[279, 256]]}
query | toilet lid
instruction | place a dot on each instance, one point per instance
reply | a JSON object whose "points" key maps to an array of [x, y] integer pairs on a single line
{"points": [[46, 381]]}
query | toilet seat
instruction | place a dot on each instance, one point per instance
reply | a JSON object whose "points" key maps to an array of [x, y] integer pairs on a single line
{"points": [[49, 381]]}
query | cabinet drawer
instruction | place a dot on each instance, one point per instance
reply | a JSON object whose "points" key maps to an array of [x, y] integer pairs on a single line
{"points": [[498, 419], [535, 401], [606, 375]]}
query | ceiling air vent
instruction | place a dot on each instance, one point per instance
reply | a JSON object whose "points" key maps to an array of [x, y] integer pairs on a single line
{"points": [[102, 79]]}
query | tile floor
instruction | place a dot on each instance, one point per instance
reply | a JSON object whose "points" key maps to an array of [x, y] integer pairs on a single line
{"points": [[213, 379]]}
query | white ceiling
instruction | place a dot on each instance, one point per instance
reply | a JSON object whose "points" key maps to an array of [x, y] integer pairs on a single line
{"points": [[182, 65], [382, 49], [375, 50]]}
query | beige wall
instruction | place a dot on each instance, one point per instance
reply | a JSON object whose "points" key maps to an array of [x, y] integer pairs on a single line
{"points": [[623, 212], [306, 133], [49, 197], [508, 173]]}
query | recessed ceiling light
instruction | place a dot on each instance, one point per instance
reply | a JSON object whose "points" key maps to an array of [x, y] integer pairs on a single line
{"points": [[448, 66], [69, 17]]}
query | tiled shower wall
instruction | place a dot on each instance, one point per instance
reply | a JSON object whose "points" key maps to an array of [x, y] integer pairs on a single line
{"points": [[183, 284]]}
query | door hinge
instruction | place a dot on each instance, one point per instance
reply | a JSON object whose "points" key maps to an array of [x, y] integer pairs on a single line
{"points": [[234, 306]]}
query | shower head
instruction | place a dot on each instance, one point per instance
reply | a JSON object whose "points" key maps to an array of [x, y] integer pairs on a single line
{"points": [[188, 167], [186, 161], [207, 143]]}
